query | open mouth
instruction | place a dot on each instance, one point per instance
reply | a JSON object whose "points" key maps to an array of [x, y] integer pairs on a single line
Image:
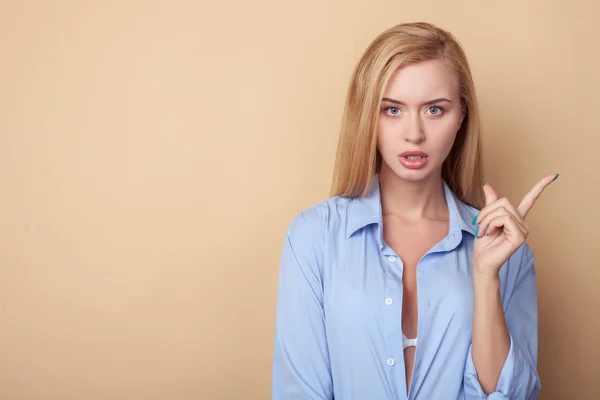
{"points": [[413, 161]]}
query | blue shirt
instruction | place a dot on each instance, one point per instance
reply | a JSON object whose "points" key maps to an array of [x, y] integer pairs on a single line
{"points": [[339, 311]]}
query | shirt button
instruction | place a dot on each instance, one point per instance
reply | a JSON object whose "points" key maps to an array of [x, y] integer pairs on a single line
{"points": [[391, 362], [392, 258], [389, 301]]}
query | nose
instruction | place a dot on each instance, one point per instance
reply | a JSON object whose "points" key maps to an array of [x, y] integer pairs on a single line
{"points": [[414, 131]]}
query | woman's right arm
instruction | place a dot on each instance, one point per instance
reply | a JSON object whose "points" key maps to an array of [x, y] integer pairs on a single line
{"points": [[301, 368]]}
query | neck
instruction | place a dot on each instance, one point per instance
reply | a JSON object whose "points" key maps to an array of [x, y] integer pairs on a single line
{"points": [[412, 200]]}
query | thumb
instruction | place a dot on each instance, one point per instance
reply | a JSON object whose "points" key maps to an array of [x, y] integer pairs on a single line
{"points": [[490, 194]]}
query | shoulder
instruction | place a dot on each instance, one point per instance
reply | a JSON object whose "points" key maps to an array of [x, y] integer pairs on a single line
{"points": [[524, 258], [309, 234], [466, 211], [316, 220], [519, 266]]}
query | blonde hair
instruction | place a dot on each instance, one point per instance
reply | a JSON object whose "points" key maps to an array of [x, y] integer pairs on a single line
{"points": [[358, 159]]}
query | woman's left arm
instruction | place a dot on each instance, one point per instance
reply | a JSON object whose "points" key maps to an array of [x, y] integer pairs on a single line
{"points": [[502, 360], [502, 363]]}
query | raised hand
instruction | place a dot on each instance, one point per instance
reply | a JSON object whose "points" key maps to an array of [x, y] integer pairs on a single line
{"points": [[502, 228]]}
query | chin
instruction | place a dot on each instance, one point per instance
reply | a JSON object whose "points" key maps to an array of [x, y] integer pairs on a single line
{"points": [[412, 175]]}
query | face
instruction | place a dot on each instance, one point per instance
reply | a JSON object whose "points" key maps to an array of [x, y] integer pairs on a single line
{"points": [[419, 117]]}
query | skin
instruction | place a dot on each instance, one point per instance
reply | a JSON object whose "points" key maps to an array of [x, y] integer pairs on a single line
{"points": [[416, 214], [506, 232]]}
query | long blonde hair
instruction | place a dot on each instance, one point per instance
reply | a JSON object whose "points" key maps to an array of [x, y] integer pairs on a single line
{"points": [[358, 159]]}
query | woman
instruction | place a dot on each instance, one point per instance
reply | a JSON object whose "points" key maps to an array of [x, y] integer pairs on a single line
{"points": [[398, 287]]}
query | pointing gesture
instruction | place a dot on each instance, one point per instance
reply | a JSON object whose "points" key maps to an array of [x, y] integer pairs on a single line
{"points": [[532, 196], [501, 227]]}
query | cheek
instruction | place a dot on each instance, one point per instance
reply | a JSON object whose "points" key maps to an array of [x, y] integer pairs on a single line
{"points": [[385, 134], [445, 132]]}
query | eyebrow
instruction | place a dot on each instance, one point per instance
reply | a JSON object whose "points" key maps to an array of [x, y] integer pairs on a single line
{"points": [[439, 100]]}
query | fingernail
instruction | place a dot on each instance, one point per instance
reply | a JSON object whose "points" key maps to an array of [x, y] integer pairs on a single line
{"points": [[485, 183], [555, 178], [486, 229], [477, 232], [474, 219]]}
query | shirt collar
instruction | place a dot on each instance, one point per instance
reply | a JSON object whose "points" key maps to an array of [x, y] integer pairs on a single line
{"points": [[366, 210]]}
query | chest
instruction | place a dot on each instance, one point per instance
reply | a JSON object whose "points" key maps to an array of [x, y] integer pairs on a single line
{"points": [[412, 241], [364, 294], [365, 280]]}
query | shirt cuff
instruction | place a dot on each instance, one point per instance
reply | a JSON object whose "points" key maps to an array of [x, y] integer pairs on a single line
{"points": [[510, 383]]}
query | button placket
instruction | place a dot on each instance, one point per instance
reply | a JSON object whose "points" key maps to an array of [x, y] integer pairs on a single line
{"points": [[391, 306]]}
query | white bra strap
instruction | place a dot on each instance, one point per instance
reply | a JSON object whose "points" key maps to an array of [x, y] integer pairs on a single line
{"points": [[406, 342]]}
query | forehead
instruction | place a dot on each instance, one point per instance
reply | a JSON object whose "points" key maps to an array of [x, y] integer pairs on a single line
{"points": [[422, 81]]}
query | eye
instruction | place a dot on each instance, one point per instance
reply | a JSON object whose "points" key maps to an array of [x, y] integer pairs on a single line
{"points": [[435, 110], [392, 110]]}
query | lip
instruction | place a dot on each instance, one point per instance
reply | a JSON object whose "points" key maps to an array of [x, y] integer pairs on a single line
{"points": [[413, 164], [413, 153]]}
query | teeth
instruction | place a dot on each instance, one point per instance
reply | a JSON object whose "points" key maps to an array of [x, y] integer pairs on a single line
{"points": [[414, 157]]}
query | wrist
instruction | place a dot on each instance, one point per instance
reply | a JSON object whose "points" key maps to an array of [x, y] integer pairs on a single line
{"points": [[485, 278], [486, 290]]}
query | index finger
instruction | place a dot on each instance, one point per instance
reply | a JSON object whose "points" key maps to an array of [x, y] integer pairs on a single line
{"points": [[531, 197]]}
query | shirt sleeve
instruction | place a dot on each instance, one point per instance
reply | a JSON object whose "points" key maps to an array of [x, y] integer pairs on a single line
{"points": [[519, 379], [301, 368]]}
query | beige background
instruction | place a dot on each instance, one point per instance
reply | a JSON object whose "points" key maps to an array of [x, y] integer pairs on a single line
{"points": [[152, 153]]}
